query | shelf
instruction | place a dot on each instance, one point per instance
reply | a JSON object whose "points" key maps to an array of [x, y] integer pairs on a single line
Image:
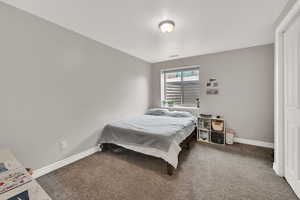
{"points": [[205, 125], [204, 129], [216, 143], [223, 132]]}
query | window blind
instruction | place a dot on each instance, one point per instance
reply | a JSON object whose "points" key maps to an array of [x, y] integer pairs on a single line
{"points": [[182, 86]]}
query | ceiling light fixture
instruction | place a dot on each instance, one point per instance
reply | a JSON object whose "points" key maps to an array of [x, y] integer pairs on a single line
{"points": [[166, 26]]}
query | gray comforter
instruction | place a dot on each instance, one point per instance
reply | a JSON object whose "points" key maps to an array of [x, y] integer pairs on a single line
{"points": [[149, 131]]}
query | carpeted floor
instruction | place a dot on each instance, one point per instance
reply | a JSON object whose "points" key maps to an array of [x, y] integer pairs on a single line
{"points": [[206, 172]]}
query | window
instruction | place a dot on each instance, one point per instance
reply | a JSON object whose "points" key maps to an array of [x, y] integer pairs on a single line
{"points": [[181, 86]]}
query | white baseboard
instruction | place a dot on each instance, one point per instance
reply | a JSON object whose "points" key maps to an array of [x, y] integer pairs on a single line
{"points": [[49, 168], [254, 142], [275, 168]]}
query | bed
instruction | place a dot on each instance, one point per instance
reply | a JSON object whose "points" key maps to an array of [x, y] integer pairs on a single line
{"points": [[159, 133]]}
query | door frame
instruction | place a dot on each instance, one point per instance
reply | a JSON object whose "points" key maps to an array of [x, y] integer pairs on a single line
{"points": [[279, 148]]}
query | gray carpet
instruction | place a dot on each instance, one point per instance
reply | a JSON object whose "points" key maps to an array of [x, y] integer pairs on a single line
{"points": [[206, 172]]}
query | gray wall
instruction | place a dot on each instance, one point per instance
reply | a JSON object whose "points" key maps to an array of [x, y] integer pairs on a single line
{"points": [[57, 85], [246, 88]]}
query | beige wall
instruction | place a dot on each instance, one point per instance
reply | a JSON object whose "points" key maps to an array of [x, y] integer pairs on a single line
{"points": [[246, 82], [57, 85]]}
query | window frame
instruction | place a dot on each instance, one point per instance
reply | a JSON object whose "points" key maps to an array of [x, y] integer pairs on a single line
{"points": [[177, 69]]}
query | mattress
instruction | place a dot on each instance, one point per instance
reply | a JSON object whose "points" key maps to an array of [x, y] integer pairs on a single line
{"points": [[157, 136]]}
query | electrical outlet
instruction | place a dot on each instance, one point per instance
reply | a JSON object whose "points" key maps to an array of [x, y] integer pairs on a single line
{"points": [[63, 144]]}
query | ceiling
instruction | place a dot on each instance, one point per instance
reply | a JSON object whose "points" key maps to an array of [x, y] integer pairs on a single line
{"points": [[202, 26]]}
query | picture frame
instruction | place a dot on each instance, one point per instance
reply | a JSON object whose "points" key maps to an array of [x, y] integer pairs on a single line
{"points": [[212, 87]]}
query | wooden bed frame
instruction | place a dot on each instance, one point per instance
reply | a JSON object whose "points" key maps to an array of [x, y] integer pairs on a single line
{"points": [[185, 144]]}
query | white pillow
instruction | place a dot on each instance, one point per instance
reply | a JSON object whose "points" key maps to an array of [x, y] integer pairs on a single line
{"points": [[179, 114], [157, 111]]}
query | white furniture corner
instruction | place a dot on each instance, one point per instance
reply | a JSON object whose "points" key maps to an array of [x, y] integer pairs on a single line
{"points": [[35, 191]]}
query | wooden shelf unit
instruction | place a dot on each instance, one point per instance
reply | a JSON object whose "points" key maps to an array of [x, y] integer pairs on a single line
{"points": [[207, 133]]}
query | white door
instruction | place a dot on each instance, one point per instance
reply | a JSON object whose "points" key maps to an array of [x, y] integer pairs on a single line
{"points": [[292, 104]]}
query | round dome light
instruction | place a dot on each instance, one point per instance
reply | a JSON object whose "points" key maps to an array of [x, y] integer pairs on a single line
{"points": [[166, 26]]}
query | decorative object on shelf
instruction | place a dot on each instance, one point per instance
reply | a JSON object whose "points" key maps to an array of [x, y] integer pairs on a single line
{"points": [[168, 103], [198, 102], [211, 129], [171, 103], [212, 87]]}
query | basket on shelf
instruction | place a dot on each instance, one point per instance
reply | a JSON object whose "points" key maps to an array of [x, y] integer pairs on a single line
{"points": [[217, 125]]}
